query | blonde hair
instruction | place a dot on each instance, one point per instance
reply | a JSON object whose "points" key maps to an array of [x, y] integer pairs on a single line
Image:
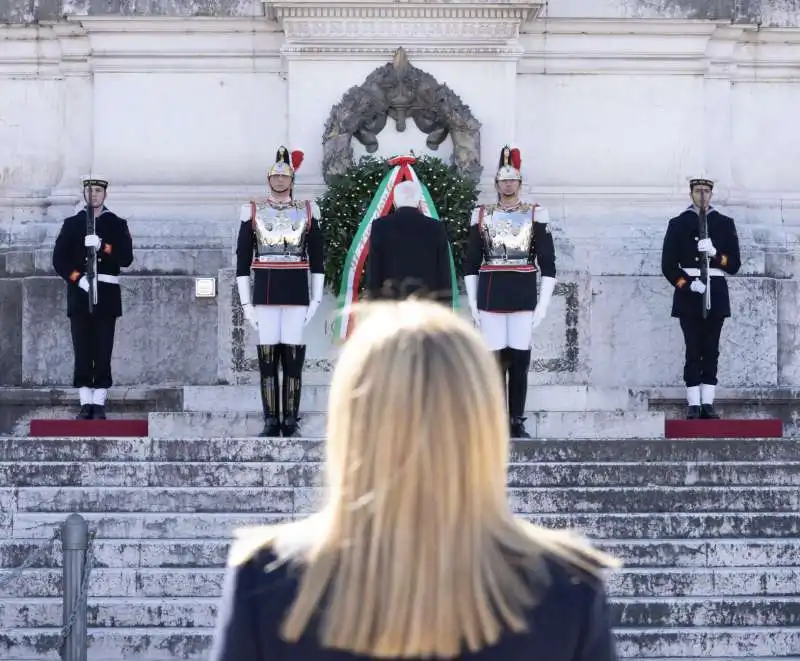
{"points": [[415, 552]]}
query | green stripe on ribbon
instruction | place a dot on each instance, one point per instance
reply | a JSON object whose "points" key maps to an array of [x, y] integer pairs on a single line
{"points": [[348, 287]]}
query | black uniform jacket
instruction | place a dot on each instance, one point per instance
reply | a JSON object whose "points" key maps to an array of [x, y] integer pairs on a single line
{"points": [[680, 252], [70, 258], [282, 284], [571, 622], [512, 289], [409, 255]]}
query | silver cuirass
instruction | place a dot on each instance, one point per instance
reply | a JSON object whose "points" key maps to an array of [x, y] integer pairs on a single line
{"points": [[280, 231], [507, 234]]}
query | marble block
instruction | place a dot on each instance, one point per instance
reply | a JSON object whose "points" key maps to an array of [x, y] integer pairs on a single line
{"points": [[635, 341], [11, 335], [165, 336]]}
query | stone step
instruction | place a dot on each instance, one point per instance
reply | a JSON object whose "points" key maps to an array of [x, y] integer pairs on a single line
{"points": [[172, 526], [201, 612], [314, 398], [137, 644], [305, 500], [627, 582], [556, 424], [310, 474], [213, 553], [180, 449]]}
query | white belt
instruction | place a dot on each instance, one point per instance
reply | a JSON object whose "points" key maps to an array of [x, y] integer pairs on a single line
{"points": [[264, 259], [499, 261], [695, 273], [110, 279]]}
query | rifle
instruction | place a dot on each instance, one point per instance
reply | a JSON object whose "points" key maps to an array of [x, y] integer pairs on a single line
{"points": [[704, 265], [91, 257]]}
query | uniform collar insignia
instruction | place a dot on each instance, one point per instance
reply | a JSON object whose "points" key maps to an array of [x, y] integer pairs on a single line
{"points": [[691, 207], [82, 207]]}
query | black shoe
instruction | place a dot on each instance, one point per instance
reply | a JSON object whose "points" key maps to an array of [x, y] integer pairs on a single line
{"points": [[707, 412], [98, 412], [693, 413], [290, 427], [517, 428], [272, 427], [85, 412]]}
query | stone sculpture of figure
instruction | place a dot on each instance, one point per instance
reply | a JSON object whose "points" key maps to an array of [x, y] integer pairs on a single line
{"points": [[400, 91]]}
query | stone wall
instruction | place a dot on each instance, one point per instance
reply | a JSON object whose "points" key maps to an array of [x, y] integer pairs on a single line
{"points": [[610, 331], [776, 13], [613, 102]]}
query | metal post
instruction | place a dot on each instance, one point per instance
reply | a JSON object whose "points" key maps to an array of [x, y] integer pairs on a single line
{"points": [[74, 542]]}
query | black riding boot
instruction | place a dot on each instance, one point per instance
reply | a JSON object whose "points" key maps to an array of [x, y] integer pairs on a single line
{"points": [[293, 356], [503, 362], [268, 357], [518, 391]]}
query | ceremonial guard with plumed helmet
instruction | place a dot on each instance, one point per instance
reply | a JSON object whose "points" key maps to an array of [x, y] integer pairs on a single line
{"points": [[280, 242], [509, 243], [90, 249], [701, 246]]}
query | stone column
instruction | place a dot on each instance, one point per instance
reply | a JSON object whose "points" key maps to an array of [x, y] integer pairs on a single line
{"points": [[30, 127], [718, 147], [76, 144]]}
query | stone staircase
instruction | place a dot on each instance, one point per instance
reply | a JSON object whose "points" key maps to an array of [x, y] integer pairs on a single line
{"points": [[555, 411], [709, 532]]}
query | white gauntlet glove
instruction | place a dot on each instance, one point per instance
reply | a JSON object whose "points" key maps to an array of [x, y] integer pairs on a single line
{"points": [[698, 286], [471, 285], [548, 284], [243, 283], [83, 283], [92, 241], [317, 284], [705, 245]]}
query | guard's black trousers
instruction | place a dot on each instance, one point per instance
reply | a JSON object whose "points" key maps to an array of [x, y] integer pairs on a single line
{"points": [[702, 349], [92, 343]]}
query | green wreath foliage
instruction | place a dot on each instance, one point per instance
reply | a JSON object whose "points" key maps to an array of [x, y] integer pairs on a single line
{"points": [[344, 203]]}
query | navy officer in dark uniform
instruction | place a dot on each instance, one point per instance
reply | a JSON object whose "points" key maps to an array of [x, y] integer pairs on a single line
{"points": [[681, 258], [111, 248]]}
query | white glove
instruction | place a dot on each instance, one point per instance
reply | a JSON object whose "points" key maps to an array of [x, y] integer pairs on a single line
{"points": [[92, 241], [705, 245], [548, 284], [698, 286], [317, 284], [471, 285], [83, 283], [250, 316], [243, 283]]}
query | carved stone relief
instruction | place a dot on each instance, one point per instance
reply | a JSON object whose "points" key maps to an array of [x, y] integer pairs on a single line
{"points": [[400, 91]]}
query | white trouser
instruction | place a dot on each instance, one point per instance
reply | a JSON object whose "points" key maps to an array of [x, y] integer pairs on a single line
{"points": [[507, 329], [280, 324]]}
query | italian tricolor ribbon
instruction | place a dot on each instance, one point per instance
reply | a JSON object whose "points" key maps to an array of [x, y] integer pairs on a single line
{"points": [[356, 257]]}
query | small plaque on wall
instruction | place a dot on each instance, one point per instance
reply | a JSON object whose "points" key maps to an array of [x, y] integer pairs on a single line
{"points": [[205, 287]]}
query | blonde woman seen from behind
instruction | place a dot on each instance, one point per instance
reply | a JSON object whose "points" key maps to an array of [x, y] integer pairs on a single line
{"points": [[415, 553]]}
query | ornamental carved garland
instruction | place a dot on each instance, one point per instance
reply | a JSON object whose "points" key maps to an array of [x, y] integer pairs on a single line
{"points": [[400, 91]]}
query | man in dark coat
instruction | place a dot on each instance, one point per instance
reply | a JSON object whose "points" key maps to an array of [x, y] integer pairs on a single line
{"points": [[409, 252], [683, 254], [77, 255]]}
